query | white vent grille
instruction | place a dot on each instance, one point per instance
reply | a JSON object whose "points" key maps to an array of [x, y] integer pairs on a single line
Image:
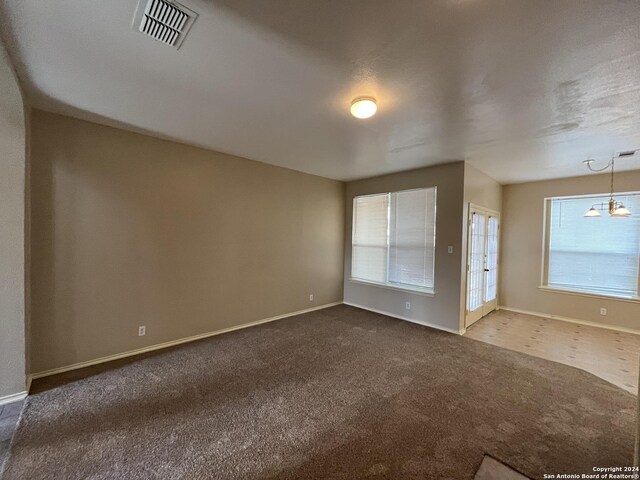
{"points": [[167, 22], [627, 154]]}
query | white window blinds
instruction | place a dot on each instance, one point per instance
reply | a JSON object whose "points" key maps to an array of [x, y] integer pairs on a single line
{"points": [[594, 255], [369, 244], [394, 238], [412, 237]]}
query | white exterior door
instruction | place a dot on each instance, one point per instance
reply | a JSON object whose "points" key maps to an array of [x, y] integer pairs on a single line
{"points": [[482, 263]]}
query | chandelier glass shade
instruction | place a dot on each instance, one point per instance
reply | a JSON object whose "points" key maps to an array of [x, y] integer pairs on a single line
{"points": [[612, 207]]}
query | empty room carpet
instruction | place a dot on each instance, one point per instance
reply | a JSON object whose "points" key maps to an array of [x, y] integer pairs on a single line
{"points": [[339, 393]]}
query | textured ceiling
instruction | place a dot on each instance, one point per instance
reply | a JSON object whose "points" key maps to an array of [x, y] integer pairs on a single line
{"points": [[522, 89]]}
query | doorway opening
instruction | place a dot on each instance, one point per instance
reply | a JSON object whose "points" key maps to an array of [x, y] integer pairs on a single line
{"points": [[483, 245]]}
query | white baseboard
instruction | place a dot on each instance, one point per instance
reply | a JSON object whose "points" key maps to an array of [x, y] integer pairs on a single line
{"points": [[412, 320], [570, 320], [14, 397], [171, 343]]}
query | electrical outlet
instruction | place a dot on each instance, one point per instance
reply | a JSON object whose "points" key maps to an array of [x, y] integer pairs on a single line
{"points": [[450, 249], [407, 306], [603, 311], [142, 331], [311, 297]]}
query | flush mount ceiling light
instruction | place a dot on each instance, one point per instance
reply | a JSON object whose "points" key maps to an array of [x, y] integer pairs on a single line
{"points": [[613, 207], [364, 107]]}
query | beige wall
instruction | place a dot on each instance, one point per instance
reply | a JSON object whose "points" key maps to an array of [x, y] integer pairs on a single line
{"points": [[482, 191], [522, 245], [442, 309], [131, 230], [12, 232]]}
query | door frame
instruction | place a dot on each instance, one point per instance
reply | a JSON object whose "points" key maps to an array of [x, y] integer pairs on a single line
{"points": [[486, 308]]}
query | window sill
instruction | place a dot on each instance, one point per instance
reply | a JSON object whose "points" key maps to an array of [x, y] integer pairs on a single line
{"points": [[416, 290], [588, 294]]}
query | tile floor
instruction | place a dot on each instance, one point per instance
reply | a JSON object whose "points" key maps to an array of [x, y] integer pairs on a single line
{"points": [[611, 355], [9, 415]]}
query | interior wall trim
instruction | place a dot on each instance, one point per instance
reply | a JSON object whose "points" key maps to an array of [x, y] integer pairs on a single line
{"points": [[412, 320], [14, 397], [571, 320], [172, 343]]}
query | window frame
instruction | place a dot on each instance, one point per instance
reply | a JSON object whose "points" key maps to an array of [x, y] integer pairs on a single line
{"points": [[426, 291], [546, 238]]}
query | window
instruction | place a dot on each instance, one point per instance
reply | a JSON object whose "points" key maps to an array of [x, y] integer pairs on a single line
{"points": [[592, 255], [393, 240]]}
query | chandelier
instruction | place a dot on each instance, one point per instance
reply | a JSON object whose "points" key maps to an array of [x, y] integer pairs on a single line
{"points": [[613, 207]]}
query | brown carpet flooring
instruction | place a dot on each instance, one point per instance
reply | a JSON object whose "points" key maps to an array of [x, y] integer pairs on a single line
{"points": [[339, 393]]}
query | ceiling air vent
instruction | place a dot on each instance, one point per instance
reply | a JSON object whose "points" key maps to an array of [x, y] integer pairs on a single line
{"points": [[628, 153], [165, 21]]}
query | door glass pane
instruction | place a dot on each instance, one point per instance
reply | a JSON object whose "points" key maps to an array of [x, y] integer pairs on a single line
{"points": [[475, 287], [492, 260]]}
